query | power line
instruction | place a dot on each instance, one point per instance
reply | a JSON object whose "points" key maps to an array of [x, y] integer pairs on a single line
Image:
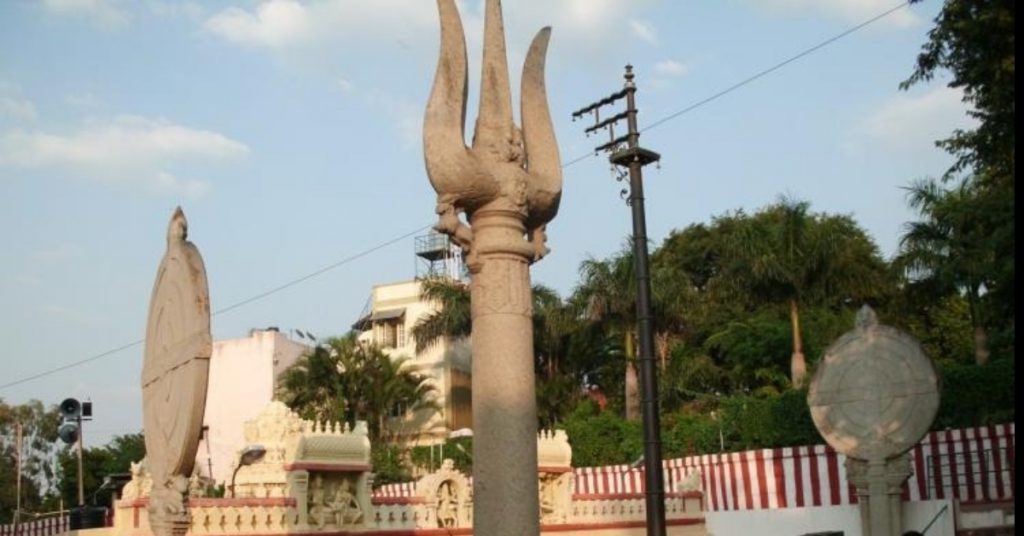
{"points": [[231, 307], [758, 75], [576, 160]]}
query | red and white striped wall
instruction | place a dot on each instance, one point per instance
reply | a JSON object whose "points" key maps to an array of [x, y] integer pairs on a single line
{"points": [[38, 527], [971, 465]]}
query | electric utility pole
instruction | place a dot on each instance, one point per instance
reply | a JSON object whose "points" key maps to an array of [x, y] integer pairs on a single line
{"points": [[627, 153], [17, 500]]}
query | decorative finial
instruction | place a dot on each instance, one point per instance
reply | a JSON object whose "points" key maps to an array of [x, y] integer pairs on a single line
{"points": [[866, 318], [177, 230]]}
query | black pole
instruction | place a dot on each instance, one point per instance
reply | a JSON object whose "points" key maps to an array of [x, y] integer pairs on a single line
{"points": [[655, 488], [635, 158]]}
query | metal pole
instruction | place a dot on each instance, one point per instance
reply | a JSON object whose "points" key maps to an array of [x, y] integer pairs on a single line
{"points": [[635, 158], [655, 493], [17, 501], [81, 487]]}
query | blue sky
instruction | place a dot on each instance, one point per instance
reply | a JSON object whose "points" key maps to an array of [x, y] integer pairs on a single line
{"points": [[289, 132]]}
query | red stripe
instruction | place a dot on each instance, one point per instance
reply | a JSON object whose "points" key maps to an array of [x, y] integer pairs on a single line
{"points": [[979, 447], [919, 476], [815, 480], [762, 478], [780, 480], [968, 466], [940, 489], [748, 496], [728, 484], [705, 481], [1010, 463], [997, 461], [954, 473], [723, 481], [798, 477], [713, 472], [833, 475]]}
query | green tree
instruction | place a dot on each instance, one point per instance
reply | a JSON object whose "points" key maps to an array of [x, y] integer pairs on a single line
{"points": [[39, 432], [786, 255], [950, 249], [97, 462], [607, 295], [453, 317], [974, 41], [347, 380]]}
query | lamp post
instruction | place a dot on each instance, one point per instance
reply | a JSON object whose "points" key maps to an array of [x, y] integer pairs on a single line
{"points": [[250, 455]]}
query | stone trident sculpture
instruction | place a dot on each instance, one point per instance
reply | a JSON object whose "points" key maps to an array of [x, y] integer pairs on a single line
{"points": [[508, 186]]}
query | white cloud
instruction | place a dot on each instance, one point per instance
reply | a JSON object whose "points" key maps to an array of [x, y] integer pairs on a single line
{"points": [[852, 11], [129, 151], [911, 124], [644, 30], [345, 85], [274, 24], [16, 108], [13, 105], [175, 8], [670, 68], [289, 24], [104, 12]]}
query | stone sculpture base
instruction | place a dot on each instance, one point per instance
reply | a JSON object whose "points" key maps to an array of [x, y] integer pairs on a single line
{"points": [[879, 484], [168, 508]]}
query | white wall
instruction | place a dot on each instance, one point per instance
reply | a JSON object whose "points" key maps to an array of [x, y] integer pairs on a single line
{"points": [[242, 376], [797, 521]]}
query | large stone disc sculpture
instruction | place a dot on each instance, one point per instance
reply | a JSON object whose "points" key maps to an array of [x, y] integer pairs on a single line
{"points": [[174, 376], [873, 398], [508, 187]]}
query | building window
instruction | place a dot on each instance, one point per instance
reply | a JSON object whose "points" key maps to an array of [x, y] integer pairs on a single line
{"points": [[389, 333]]}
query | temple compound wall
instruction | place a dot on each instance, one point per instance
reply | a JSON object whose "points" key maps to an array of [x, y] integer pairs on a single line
{"points": [[315, 478]]}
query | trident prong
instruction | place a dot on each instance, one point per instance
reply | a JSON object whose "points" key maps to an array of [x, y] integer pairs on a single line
{"points": [[521, 167]]}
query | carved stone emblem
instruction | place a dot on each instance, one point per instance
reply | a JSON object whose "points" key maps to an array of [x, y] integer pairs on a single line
{"points": [[175, 375], [875, 393]]}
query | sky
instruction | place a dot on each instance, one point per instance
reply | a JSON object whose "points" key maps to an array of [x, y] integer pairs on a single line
{"points": [[289, 132]]}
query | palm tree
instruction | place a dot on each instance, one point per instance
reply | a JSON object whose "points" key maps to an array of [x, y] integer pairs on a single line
{"points": [[453, 317], [313, 386], [607, 293], [346, 380], [785, 255], [949, 249]]}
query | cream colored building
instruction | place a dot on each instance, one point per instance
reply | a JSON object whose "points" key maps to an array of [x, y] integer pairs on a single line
{"points": [[243, 374], [394, 310]]}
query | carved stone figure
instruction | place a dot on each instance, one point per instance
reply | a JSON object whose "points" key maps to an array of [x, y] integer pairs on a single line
{"points": [[507, 187], [140, 484], [345, 506], [318, 502], [447, 506], [174, 376]]}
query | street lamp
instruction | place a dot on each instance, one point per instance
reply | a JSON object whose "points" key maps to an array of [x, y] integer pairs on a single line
{"points": [[250, 455]]}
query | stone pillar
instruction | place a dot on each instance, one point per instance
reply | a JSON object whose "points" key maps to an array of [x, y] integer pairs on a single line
{"points": [[879, 484], [508, 185], [504, 400]]}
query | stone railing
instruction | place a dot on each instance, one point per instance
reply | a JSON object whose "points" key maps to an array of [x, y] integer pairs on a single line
{"points": [[630, 507]]}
